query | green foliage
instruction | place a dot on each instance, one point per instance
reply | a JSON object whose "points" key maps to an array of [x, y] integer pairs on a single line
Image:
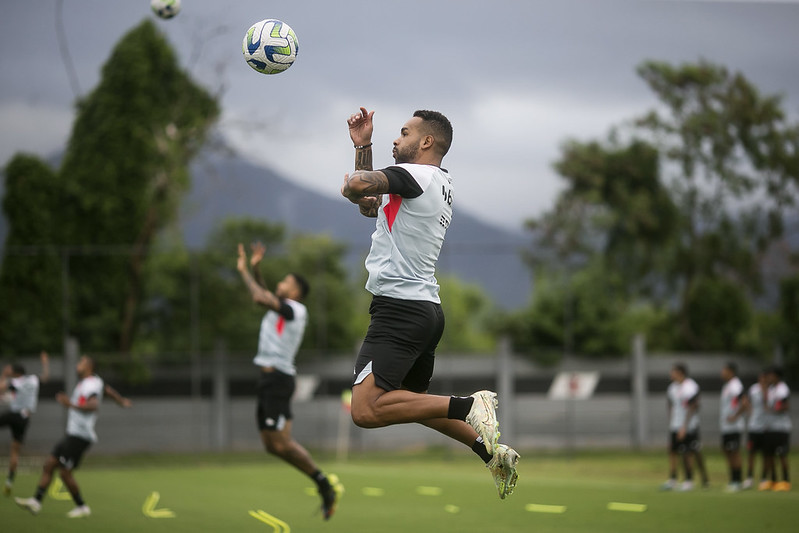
{"points": [[467, 312], [123, 173], [30, 279], [682, 210], [718, 312], [206, 287]]}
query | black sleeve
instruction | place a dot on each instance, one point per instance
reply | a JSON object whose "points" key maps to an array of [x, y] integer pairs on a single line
{"points": [[285, 310], [401, 182], [694, 400]]}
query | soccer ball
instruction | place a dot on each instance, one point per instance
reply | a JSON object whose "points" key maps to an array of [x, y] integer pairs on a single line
{"points": [[166, 9], [270, 46]]}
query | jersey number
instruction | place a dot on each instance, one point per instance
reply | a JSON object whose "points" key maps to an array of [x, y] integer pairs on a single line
{"points": [[447, 194]]}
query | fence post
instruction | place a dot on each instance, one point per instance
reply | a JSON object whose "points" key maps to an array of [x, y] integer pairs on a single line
{"points": [[640, 430], [506, 389], [71, 351], [221, 401]]}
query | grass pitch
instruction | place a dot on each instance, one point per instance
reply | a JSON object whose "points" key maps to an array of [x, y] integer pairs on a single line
{"points": [[431, 492]]}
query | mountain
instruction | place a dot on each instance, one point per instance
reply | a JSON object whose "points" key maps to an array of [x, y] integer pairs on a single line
{"points": [[229, 186]]}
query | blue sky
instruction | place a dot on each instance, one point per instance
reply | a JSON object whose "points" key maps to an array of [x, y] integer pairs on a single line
{"points": [[515, 78]]}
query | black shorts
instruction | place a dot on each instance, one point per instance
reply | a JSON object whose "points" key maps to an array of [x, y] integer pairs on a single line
{"points": [[17, 423], [690, 442], [730, 442], [776, 443], [755, 441], [400, 344], [69, 451], [274, 391]]}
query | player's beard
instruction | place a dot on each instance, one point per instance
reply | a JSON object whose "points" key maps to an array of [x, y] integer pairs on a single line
{"points": [[406, 155]]}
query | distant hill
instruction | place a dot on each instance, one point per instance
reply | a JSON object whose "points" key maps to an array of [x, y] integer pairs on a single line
{"points": [[228, 186]]}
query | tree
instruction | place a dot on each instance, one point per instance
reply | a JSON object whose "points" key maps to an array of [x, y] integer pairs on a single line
{"points": [[220, 302], [733, 157], [682, 208], [122, 176], [30, 279]]}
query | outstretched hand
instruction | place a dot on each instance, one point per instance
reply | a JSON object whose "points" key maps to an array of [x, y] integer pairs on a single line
{"points": [[241, 264], [361, 127], [258, 250]]}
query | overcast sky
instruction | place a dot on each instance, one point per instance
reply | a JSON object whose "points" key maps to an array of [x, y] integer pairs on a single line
{"points": [[516, 78]]}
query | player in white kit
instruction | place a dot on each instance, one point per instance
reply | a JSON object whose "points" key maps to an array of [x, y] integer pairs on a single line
{"points": [[412, 201], [683, 403], [24, 390], [754, 407], [83, 407], [731, 423], [282, 330], [777, 437]]}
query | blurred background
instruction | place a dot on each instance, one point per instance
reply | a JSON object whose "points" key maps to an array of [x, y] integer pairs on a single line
{"points": [[626, 185]]}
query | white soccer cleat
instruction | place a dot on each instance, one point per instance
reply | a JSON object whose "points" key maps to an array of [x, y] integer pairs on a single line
{"points": [[483, 418], [31, 504], [747, 484], [733, 487], [80, 512], [503, 468], [670, 484], [686, 486], [8, 486]]}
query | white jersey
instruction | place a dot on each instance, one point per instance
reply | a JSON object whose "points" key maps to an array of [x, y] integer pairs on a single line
{"points": [[757, 415], [777, 398], [408, 237], [680, 396], [81, 423], [280, 338], [730, 402], [25, 394]]}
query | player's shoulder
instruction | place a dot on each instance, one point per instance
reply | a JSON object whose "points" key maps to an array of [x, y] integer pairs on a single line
{"points": [[297, 307]]}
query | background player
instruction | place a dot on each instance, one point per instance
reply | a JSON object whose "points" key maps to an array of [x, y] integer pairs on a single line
{"points": [[754, 406], [395, 364], [777, 437], [24, 390], [282, 329], [82, 408], [731, 423], [683, 404]]}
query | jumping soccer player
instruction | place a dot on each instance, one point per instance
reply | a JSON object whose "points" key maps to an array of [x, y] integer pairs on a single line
{"points": [[83, 406], [282, 329], [25, 396], [731, 423], [683, 403], [395, 364]]}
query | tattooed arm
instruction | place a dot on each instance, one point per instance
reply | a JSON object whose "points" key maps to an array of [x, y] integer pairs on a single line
{"points": [[365, 188], [259, 294], [361, 127]]}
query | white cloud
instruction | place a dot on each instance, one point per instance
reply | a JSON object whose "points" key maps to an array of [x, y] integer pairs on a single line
{"points": [[39, 129]]}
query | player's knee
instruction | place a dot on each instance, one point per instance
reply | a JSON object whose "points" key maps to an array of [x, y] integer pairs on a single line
{"points": [[364, 416], [275, 447]]}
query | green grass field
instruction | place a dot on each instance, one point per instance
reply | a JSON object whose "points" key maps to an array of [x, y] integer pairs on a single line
{"points": [[431, 492]]}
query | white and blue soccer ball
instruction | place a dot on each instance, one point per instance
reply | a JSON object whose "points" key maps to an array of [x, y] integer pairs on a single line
{"points": [[166, 9], [270, 46]]}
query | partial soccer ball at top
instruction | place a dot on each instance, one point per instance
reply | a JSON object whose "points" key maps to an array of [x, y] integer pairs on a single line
{"points": [[270, 46], [166, 9]]}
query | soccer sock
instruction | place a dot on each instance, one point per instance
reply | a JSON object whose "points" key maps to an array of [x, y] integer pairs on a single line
{"points": [[480, 449], [459, 407], [40, 493], [736, 475], [786, 476], [78, 500], [673, 474], [321, 480], [11, 475]]}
